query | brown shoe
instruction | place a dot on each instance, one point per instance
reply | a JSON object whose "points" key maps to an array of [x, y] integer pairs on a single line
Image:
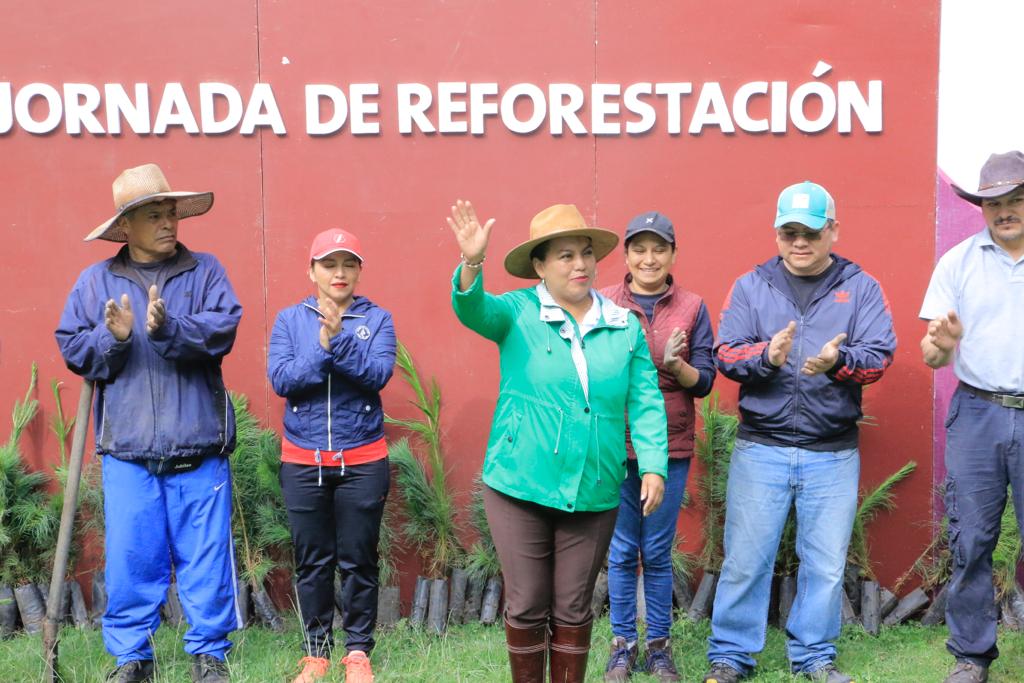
{"points": [[967, 672], [621, 661], [527, 652], [570, 646], [659, 662]]}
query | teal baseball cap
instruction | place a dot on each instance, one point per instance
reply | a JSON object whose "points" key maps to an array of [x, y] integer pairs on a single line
{"points": [[806, 203]]}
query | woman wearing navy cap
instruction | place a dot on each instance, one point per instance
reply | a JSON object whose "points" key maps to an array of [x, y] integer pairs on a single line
{"points": [[678, 331], [330, 355]]}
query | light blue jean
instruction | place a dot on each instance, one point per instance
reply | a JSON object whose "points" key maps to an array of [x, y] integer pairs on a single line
{"points": [[763, 482], [651, 537]]}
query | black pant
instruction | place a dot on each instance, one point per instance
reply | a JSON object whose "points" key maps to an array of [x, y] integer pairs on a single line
{"points": [[335, 522]]}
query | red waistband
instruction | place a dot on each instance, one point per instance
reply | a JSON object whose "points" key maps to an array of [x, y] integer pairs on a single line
{"points": [[375, 450]]}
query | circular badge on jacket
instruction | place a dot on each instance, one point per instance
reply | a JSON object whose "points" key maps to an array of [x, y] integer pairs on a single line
{"points": [[363, 332]]}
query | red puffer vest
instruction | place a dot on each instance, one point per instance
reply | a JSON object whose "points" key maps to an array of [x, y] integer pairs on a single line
{"points": [[676, 308]]}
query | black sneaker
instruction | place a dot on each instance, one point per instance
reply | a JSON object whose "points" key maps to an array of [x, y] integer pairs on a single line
{"points": [[135, 671], [828, 674], [659, 661], [209, 669], [621, 661], [722, 673]]}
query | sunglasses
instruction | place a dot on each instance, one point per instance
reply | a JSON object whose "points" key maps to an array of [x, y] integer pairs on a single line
{"points": [[787, 235]]}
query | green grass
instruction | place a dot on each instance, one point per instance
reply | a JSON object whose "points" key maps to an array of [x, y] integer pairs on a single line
{"points": [[477, 654]]}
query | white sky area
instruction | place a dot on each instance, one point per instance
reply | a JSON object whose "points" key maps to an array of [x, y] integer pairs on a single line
{"points": [[981, 99]]}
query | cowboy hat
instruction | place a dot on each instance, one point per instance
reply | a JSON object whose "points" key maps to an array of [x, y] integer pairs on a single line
{"points": [[560, 220], [1001, 174], [143, 185]]}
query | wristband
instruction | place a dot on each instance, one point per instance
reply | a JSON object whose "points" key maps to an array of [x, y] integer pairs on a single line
{"points": [[474, 266]]}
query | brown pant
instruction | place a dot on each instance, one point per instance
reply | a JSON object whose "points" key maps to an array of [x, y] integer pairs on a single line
{"points": [[549, 558]]}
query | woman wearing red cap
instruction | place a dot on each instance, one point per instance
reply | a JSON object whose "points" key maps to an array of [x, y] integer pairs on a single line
{"points": [[330, 355]]}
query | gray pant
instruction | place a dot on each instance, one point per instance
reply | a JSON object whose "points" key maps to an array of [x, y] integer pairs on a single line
{"points": [[549, 558], [984, 455]]}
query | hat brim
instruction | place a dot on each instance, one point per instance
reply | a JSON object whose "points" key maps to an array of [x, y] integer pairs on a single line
{"points": [[805, 219], [187, 205], [636, 233], [977, 198], [335, 250], [518, 263]]}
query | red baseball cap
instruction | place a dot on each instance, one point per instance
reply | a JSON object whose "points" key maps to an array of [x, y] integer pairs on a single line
{"points": [[335, 239]]}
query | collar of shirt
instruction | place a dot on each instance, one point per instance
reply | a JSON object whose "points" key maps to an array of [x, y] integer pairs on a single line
{"points": [[984, 239]]}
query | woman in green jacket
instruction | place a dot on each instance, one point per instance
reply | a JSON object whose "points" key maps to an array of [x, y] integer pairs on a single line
{"points": [[573, 364]]}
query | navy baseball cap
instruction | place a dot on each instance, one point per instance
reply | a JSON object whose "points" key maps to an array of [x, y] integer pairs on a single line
{"points": [[651, 221]]}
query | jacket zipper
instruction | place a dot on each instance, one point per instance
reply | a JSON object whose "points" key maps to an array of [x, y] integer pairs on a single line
{"points": [[329, 438], [103, 422], [227, 406], [796, 375], [558, 437]]}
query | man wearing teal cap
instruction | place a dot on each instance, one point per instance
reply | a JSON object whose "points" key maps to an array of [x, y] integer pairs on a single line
{"points": [[802, 334]]}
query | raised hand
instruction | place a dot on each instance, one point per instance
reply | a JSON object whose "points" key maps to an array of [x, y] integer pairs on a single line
{"points": [[674, 348], [119, 319], [156, 312], [330, 323], [826, 359], [781, 344], [945, 332], [471, 236]]}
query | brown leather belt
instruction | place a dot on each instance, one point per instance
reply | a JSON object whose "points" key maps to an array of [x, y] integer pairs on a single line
{"points": [[1004, 400]]}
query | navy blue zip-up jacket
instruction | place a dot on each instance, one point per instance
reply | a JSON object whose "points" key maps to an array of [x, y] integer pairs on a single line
{"points": [[159, 396], [333, 398], [781, 406]]}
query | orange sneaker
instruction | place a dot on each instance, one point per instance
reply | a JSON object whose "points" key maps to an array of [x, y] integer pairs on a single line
{"points": [[357, 667], [313, 669]]}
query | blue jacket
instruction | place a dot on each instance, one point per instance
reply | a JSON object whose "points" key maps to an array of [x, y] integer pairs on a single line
{"points": [[333, 398], [159, 396], [780, 405]]}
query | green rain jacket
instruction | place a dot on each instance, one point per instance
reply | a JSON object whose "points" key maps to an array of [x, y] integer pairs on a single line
{"points": [[549, 444]]}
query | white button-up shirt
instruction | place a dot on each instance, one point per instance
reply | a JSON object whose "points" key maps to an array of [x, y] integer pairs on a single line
{"points": [[985, 286]]}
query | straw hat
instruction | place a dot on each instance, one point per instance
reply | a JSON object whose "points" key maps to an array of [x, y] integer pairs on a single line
{"points": [[560, 220], [142, 185]]}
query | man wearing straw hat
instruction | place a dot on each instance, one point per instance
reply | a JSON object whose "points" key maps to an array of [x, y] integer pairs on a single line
{"points": [[150, 326], [975, 312]]}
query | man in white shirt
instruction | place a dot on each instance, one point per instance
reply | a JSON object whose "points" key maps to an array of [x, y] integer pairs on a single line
{"points": [[975, 309]]}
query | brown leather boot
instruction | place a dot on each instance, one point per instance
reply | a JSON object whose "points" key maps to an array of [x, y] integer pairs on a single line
{"points": [[527, 652], [570, 646]]}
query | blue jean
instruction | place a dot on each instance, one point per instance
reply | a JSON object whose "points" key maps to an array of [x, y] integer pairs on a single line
{"points": [[650, 537], [764, 481], [983, 456], [153, 521]]}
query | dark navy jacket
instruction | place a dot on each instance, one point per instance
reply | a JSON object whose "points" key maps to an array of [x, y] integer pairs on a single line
{"points": [[780, 405], [159, 396], [333, 398]]}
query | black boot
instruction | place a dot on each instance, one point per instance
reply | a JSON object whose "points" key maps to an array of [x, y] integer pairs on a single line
{"points": [[209, 669], [135, 671]]}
